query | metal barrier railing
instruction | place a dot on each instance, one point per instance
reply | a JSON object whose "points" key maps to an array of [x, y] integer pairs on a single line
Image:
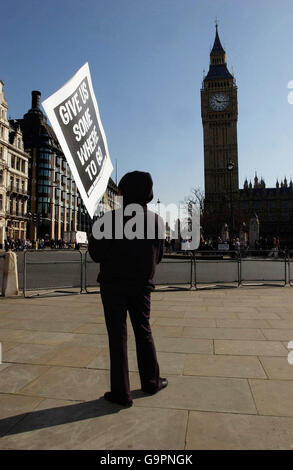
{"points": [[2, 260], [180, 277], [90, 281], [202, 267], [48, 279], [277, 259], [216, 267], [207, 267], [290, 267]]}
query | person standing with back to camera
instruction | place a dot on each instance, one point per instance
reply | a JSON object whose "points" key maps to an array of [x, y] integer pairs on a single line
{"points": [[127, 268]]}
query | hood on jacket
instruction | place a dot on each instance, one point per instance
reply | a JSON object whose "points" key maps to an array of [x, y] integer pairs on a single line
{"points": [[136, 187]]}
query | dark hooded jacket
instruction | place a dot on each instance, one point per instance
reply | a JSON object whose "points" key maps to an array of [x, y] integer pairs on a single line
{"points": [[130, 263]]}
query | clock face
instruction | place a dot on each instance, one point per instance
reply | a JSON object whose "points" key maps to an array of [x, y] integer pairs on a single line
{"points": [[219, 101]]}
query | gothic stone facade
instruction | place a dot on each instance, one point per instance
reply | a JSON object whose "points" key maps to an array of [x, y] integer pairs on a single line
{"points": [[224, 201], [14, 163]]}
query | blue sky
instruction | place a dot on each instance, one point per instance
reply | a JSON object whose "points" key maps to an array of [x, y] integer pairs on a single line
{"points": [[147, 59]]}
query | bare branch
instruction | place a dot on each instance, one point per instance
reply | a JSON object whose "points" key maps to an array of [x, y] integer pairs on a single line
{"points": [[196, 196]]}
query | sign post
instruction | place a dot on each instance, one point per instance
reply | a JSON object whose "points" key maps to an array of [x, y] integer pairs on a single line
{"points": [[74, 114]]}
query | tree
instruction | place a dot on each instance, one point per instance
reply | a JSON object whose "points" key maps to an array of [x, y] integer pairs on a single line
{"points": [[196, 196]]}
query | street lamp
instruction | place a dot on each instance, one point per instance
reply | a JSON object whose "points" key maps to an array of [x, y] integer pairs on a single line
{"points": [[230, 167], [158, 202]]}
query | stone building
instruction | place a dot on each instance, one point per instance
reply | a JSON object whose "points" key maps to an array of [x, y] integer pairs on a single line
{"points": [[219, 112], [55, 205], [17, 185], [274, 207], [4, 133], [14, 163], [224, 202]]}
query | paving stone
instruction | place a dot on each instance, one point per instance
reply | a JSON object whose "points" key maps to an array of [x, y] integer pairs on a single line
{"points": [[13, 408], [67, 383], [167, 313], [45, 337], [180, 307], [102, 360], [273, 397], [34, 324], [278, 334], [82, 426], [277, 367], [258, 315], [170, 363], [99, 318], [223, 333], [6, 322], [196, 322], [69, 327], [279, 309], [215, 303], [203, 393], [243, 323], [212, 314], [31, 353], [57, 306], [183, 345], [51, 403], [285, 343], [155, 308], [90, 340], [92, 328], [6, 346], [52, 315], [16, 376], [74, 356], [281, 324], [223, 366], [7, 334], [234, 307], [227, 431], [169, 331], [285, 316], [248, 348]]}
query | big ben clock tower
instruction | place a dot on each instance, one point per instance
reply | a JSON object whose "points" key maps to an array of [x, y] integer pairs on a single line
{"points": [[219, 113]]}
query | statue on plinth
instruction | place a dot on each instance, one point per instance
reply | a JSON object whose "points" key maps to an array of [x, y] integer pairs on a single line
{"points": [[243, 235], [225, 233], [253, 231]]}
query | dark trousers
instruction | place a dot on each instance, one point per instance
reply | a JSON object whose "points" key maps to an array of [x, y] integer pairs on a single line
{"points": [[116, 305]]}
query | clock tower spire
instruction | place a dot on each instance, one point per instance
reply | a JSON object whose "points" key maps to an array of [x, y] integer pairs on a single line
{"points": [[219, 112], [217, 55]]}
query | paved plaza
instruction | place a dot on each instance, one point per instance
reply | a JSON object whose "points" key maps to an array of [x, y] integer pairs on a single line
{"points": [[224, 352]]}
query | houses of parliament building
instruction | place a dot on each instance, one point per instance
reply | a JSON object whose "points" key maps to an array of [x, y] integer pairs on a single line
{"points": [[224, 202]]}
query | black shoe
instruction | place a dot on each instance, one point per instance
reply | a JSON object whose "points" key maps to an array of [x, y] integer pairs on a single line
{"points": [[163, 384], [110, 397]]}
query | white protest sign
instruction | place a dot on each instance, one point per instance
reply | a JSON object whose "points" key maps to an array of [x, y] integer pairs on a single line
{"points": [[74, 114]]}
